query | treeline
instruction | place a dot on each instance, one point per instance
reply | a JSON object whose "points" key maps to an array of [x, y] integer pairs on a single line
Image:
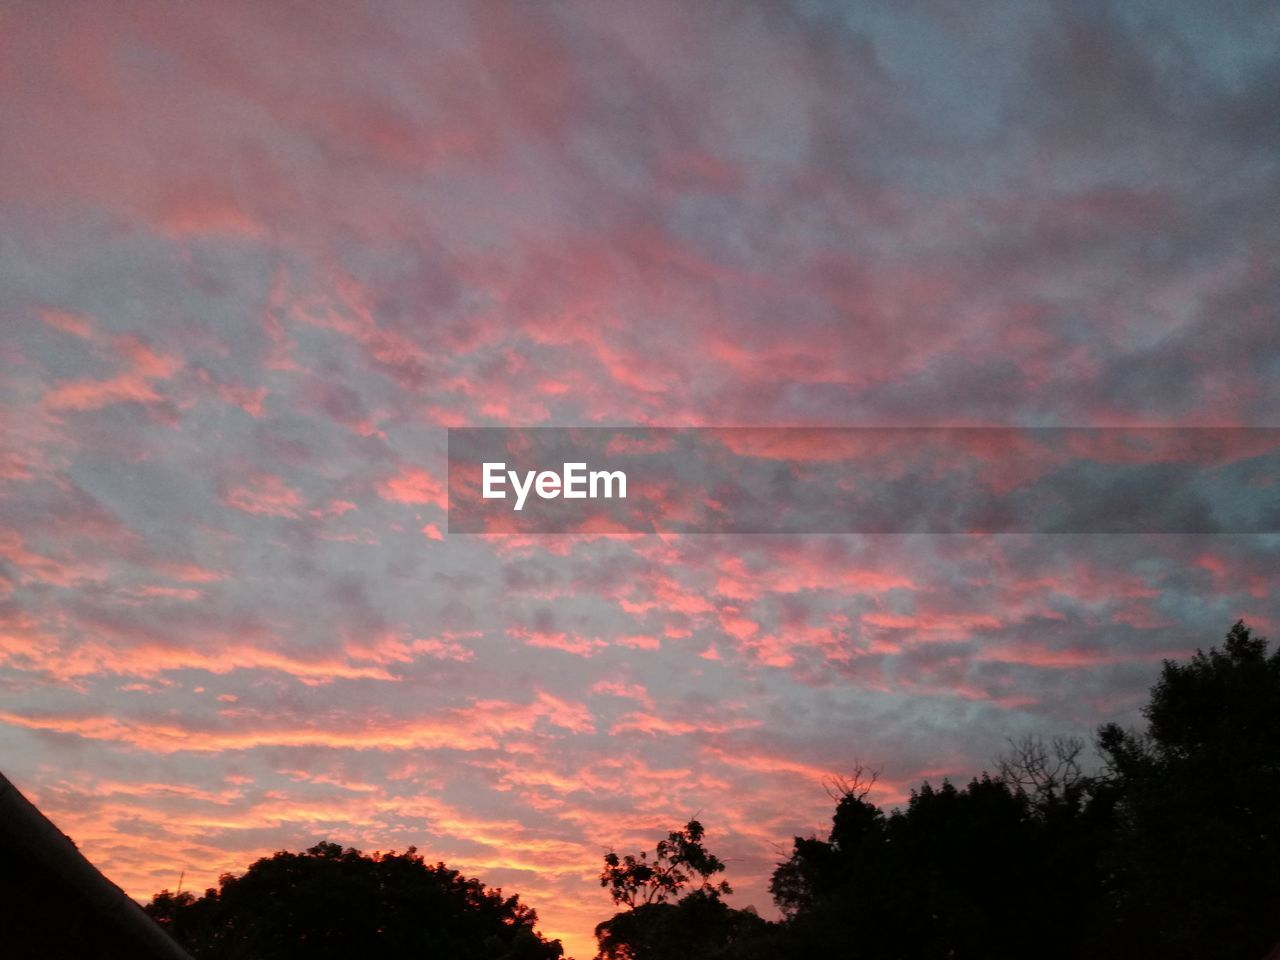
{"points": [[1170, 849]]}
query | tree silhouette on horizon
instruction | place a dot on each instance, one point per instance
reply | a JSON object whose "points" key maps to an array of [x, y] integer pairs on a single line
{"points": [[331, 903], [698, 924], [1170, 849]]}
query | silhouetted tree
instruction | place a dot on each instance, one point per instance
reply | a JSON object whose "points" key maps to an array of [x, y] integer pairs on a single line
{"points": [[635, 880], [329, 903], [699, 925], [1172, 850], [1043, 768], [968, 872], [1196, 860]]}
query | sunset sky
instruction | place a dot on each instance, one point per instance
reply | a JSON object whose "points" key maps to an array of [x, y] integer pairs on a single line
{"points": [[256, 258]]}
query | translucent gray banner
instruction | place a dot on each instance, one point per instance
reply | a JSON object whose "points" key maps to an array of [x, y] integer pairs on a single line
{"points": [[533, 480]]}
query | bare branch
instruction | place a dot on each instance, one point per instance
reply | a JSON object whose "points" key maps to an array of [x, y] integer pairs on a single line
{"points": [[856, 784], [1041, 767]]}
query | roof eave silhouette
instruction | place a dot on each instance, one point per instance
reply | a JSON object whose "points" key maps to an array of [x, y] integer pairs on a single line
{"points": [[29, 832]]}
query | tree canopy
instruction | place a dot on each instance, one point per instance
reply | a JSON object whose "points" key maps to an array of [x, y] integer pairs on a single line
{"points": [[330, 903], [1169, 850], [698, 924], [635, 880], [1196, 857]]}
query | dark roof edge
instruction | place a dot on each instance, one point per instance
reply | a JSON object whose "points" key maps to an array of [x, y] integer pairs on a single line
{"points": [[33, 832]]}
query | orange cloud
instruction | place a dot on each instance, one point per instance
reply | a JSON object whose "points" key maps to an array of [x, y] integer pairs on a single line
{"points": [[478, 727], [393, 649]]}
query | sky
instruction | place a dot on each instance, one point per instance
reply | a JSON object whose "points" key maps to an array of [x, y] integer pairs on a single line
{"points": [[256, 258]]}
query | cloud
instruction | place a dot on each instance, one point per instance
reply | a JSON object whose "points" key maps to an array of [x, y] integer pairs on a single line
{"points": [[135, 385], [265, 495], [255, 263], [413, 485]]}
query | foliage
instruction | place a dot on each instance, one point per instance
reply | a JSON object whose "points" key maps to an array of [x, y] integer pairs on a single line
{"points": [[1199, 801], [1169, 851], [699, 925], [634, 880], [334, 903], [939, 878]]}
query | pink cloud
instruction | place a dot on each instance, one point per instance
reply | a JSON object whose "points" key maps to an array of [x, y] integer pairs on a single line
{"points": [[413, 485], [265, 495], [565, 642], [76, 324], [135, 385], [628, 691], [35, 566]]}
